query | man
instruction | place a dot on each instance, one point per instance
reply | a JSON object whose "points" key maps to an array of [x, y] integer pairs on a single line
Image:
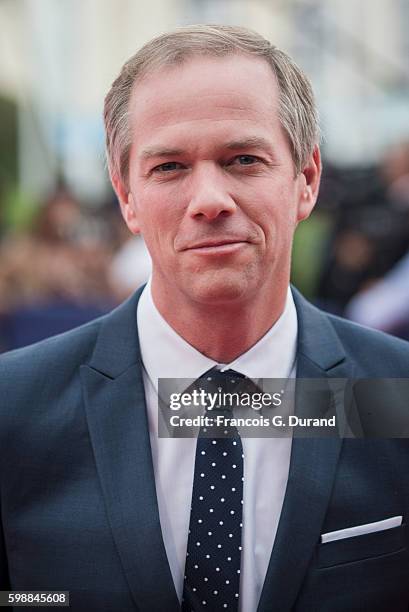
{"points": [[213, 152]]}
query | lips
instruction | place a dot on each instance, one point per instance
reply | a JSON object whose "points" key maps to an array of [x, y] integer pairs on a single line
{"points": [[215, 242]]}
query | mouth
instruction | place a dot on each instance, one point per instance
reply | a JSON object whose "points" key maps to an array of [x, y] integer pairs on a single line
{"points": [[217, 247]]}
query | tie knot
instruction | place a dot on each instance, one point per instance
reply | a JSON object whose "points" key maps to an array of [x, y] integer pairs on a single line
{"points": [[226, 390], [226, 382], [228, 376]]}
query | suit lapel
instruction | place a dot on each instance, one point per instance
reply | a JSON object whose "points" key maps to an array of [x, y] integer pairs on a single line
{"points": [[118, 426], [312, 467]]}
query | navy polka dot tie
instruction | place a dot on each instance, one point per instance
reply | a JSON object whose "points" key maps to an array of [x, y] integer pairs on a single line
{"points": [[212, 571]]}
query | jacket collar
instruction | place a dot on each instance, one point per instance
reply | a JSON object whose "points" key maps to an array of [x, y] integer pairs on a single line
{"points": [[318, 341], [117, 346]]}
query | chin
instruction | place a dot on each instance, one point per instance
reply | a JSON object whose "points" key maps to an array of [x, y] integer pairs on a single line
{"points": [[220, 287]]}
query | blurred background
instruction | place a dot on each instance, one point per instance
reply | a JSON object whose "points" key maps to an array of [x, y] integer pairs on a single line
{"points": [[65, 254]]}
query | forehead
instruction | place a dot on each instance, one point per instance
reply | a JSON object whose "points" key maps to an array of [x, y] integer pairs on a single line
{"points": [[202, 98]]}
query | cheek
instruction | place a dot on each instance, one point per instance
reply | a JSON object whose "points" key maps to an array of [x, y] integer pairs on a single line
{"points": [[159, 215], [276, 217], [277, 197]]}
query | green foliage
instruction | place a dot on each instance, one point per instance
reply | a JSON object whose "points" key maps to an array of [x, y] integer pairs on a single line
{"points": [[8, 142], [308, 252]]}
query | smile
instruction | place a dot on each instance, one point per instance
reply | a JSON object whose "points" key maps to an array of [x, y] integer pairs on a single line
{"points": [[218, 248]]}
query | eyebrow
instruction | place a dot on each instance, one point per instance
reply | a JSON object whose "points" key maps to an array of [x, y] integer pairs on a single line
{"points": [[252, 142], [160, 152]]}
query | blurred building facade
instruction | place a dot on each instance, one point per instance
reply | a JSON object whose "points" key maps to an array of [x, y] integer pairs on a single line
{"points": [[58, 59]]}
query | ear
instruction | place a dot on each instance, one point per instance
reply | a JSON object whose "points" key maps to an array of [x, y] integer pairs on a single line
{"points": [[127, 204], [309, 185]]}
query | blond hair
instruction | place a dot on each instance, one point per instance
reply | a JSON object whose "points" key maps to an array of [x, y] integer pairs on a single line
{"points": [[297, 111]]}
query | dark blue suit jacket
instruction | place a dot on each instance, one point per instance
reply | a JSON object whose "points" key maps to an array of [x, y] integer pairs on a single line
{"points": [[78, 503]]}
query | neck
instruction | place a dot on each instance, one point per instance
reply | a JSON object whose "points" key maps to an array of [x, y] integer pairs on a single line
{"points": [[225, 331]]}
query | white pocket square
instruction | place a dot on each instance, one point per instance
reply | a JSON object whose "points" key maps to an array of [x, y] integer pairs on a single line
{"points": [[350, 532]]}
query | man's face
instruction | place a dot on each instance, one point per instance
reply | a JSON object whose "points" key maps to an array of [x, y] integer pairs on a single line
{"points": [[212, 183]]}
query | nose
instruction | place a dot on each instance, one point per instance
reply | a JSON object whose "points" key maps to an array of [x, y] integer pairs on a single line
{"points": [[210, 197]]}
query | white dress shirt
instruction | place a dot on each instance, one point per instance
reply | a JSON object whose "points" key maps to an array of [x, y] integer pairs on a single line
{"points": [[165, 354]]}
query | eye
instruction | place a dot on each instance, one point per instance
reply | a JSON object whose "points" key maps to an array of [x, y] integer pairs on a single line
{"points": [[168, 167], [245, 160]]}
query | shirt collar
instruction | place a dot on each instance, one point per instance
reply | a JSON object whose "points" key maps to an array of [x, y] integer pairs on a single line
{"points": [[165, 354]]}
